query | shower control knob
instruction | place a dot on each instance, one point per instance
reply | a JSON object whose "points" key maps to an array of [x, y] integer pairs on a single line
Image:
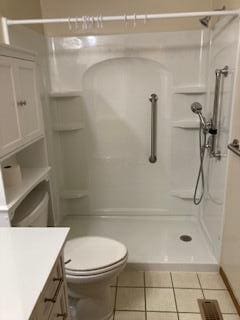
{"points": [[235, 143]]}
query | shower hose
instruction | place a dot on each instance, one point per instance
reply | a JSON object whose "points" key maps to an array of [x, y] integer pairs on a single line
{"points": [[200, 178]]}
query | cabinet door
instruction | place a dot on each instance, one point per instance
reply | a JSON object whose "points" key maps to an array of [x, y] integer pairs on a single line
{"points": [[28, 99], [10, 135]]}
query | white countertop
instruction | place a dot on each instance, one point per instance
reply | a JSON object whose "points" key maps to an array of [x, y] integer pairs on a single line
{"points": [[27, 256]]}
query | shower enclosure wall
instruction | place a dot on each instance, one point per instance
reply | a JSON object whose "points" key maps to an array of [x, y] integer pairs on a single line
{"points": [[101, 117]]}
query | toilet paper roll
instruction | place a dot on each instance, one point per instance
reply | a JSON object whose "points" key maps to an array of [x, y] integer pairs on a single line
{"points": [[12, 175]]}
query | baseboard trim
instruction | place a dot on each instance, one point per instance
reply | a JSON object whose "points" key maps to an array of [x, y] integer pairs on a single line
{"points": [[227, 284]]}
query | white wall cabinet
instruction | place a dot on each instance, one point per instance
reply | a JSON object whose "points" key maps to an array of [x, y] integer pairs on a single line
{"points": [[22, 139], [20, 116], [10, 134]]}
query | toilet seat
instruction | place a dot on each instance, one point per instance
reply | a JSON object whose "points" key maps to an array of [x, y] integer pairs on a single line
{"points": [[76, 273], [93, 256]]}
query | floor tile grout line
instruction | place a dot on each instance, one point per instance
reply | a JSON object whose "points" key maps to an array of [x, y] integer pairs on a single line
{"points": [[182, 288], [115, 299], [167, 312], [175, 299], [200, 285], [145, 296]]}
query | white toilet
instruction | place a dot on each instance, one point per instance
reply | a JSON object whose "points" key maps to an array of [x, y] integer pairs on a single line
{"points": [[92, 263]]}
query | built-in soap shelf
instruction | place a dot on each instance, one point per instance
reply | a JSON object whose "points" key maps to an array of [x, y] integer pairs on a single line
{"points": [[65, 94], [194, 90], [69, 194], [183, 194], [186, 124], [68, 126]]}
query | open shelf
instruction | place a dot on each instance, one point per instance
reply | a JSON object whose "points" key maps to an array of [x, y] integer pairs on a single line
{"points": [[73, 194], [31, 177], [183, 194], [196, 89], [68, 126], [22, 148], [186, 124], [65, 94]]}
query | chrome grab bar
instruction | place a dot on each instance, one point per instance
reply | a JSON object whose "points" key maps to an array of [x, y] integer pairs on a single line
{"points": [[235, 147], [153, 99], [214, 121]]}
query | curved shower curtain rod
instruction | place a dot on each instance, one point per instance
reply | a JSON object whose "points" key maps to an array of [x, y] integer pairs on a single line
{"points": [[98, 20]]}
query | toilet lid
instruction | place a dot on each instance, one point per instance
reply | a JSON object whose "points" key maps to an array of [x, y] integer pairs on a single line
{"points": [[92, 253]]}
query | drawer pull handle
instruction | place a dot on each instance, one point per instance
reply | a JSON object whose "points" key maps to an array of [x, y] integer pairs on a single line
{"points": [[22, 103], [63, 315], [54, 298]]}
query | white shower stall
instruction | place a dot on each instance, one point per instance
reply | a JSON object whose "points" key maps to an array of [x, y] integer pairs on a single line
{"points": [[100, 116]]}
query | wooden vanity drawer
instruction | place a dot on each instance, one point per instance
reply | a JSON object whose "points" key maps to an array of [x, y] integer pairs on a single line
{"points": [[60, 309], [51, 291]]}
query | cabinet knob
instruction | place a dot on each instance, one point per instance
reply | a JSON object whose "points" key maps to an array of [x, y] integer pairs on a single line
{"points": [[54, 298], [62, 315]]}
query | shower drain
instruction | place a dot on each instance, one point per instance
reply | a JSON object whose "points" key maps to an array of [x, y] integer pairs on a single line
{"points": [[185, 238]]}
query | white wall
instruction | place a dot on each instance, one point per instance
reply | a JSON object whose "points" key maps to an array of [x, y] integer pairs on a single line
{"points": [[110, 157], [73, 8], [224, 43], [230, 259], [26, 9]]}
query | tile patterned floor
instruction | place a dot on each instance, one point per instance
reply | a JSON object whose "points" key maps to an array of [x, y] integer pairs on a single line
{"points": [[155, 295]]}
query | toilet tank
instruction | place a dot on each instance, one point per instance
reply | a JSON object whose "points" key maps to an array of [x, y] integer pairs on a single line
{"points": [[33, 210]]}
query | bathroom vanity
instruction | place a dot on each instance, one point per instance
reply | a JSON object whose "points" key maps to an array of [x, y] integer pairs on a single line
{"points": [[32, 277]]}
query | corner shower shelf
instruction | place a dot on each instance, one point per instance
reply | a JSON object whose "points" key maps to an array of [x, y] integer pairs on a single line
{"points": [[68, 127], [183, 194], [198, 89], [31, 177], [73, 194], [186, 124], [66, 94]]}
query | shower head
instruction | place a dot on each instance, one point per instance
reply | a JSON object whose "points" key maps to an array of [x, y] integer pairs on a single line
{"points": [[205, 21], [196, 107]]}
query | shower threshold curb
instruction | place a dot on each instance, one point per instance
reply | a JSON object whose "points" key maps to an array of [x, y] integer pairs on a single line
{"points": [[191, 267]]}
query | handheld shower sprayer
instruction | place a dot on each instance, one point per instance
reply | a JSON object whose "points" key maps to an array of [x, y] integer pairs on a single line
{"points": [[196, 107], [209, 127]]}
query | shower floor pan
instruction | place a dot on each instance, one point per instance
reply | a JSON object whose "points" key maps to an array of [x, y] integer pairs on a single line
{"points": [[153, 242]]}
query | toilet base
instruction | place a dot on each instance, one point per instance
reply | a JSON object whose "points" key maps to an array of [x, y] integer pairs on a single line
{"points": [[91, 302]]}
